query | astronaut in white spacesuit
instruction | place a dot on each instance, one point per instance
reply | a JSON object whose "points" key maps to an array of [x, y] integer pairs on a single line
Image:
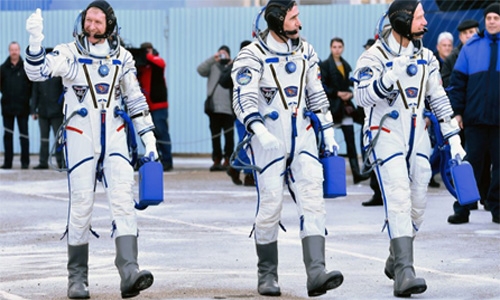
{"points": [[99, 77], [392, 80], [275, 82]]}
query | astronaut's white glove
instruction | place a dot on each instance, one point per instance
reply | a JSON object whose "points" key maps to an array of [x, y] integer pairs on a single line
{"points": [[34, 26], [267, 140], [399, 65], [450, 131], [456, 147], [326, 121], [149, 141], [329, 139]]}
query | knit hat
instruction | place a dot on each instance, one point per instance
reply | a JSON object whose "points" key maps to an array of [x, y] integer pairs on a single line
{"points": [[400, 15], [492, 8], [369, 42], [467, 24], [146, 45], [225, 48]]}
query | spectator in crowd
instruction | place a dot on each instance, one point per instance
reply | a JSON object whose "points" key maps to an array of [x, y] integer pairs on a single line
{"points": [[335, 78], [100, 78], [16, 93], [386, 78], [151, 77], [466, 29], [475, 94], [444, 47], [369, 43], [219, 109], [46, 107], [273, 96], [248, 180]]}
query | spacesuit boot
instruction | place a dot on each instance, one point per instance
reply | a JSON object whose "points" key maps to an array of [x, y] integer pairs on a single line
{"points": [[405, 282], [389, 265], [78, 257], [319, 281], [268, 269], [132, 279]]}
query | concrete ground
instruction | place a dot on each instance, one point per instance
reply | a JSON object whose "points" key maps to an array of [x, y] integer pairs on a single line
{"points": [[197, 242]]}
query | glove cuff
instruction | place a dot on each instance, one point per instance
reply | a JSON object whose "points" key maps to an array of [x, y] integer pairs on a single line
{"points": [[258, 128], [449, 129], [143, 123]]}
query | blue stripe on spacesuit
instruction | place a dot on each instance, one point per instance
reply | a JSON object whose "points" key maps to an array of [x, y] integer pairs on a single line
{"points": [[272, 60], [422, 155], [86, 61], [80, 163], [411, 141], [377, 90], [271, 163], [122, 156]]}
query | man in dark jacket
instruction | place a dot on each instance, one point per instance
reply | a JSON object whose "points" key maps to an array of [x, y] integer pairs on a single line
{"points": [[46, 107], [475, 95], [466, 30], [16, 92]]}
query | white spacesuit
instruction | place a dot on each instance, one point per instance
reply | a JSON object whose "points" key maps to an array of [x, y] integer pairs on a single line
{"points": [[98, 79], [392, 82], [274, 84]]}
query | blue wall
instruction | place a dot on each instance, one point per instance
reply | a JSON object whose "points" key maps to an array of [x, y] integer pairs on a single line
{"points": [[187, 36]]}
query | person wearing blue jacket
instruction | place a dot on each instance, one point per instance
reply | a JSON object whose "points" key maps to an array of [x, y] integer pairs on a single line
{"points": [[475, 98]]}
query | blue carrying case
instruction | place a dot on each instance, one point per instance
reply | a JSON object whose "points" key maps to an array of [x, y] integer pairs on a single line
{"points": [[334, 181], [464, 181], [150, 184]]}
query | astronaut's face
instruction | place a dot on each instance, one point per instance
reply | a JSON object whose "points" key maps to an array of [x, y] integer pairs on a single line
{"points": [[292, 22], [95, 23], [419, 22]]}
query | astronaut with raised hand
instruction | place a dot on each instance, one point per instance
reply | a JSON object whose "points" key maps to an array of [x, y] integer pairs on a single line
{"points": [[275, 82], [391, 81], [99, 77]]}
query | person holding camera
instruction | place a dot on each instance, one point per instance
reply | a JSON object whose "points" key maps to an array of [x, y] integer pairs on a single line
{"points": [[151, 77], [218, 108]]}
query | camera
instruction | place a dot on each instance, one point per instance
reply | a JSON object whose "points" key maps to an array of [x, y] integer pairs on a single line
{"points": [[222, 56]]}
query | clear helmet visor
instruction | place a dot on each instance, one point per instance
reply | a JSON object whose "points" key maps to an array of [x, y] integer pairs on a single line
{"points": [[82, 43]]}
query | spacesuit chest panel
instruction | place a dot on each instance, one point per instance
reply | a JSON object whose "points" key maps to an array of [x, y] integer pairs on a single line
{"points": [[409, 91], [283, 80], [96, 85]]}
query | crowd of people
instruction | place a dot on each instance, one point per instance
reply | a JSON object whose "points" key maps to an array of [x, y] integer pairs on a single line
{"points": [[272, 92]]}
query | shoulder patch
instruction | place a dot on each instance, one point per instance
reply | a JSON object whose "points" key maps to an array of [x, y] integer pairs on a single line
{"points": [[244, 76], [365, 73]]}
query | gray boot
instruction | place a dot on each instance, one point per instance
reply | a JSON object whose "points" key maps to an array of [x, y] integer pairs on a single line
{"points": [[319, 281], [268, 269], [78, 257], [389, 265], [405, 282], [132, 279]]}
